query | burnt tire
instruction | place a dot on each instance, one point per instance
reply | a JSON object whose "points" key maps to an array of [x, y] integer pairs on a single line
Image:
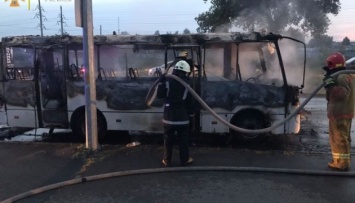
{"points": [[79, 126], [249, 121]]}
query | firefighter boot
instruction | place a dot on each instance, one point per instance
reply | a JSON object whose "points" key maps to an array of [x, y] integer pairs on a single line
{"points": [[188, 162], [166, 163], [340, 164]]}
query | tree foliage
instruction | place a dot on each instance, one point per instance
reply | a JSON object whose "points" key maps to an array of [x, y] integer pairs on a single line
{"points": [[273, 15], [295, 33], [186, 31], [321, 41], [157, 32], [346, 41]]}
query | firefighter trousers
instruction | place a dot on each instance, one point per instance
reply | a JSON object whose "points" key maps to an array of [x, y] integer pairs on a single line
{"points": [[340, 141], [179, 133]]}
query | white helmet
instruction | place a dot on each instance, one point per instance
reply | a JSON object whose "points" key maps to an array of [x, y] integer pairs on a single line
{"points": [[183, 53], [183, 66]]}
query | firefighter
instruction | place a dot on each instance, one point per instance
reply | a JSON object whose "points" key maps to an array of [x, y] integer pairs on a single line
{"points": [[340, 95], [178, 108], [183, 55]]}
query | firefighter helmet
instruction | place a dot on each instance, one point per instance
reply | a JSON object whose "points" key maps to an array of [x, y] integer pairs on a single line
{"points": [[335, 60], [183, 66], [183, 53]]}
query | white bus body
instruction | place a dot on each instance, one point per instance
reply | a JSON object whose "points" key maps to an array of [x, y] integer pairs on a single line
{"points": [[244, 78]]}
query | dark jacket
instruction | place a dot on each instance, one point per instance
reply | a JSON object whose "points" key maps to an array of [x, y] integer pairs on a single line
{"points": [[178, 100]]}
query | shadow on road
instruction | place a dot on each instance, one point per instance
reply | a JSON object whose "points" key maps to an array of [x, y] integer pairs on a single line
{"points": [[209, 140]]}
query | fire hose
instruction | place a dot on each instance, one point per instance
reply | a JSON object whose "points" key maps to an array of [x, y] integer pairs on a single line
{"points": [[149, 99], [173, 169], [152, 93]]}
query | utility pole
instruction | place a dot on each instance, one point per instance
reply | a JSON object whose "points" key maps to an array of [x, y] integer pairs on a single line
{"points": [[90, 83], [40, 16], [100, 30], [118, 24], [84, 19], [61, 21]]}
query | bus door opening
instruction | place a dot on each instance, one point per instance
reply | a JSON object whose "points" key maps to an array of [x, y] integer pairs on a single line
{"points": [[52, 87]]}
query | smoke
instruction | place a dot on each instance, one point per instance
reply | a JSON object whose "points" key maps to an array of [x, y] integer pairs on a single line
{"points": [[273, 16], [293, 58], [119, 58], [253, 70]]}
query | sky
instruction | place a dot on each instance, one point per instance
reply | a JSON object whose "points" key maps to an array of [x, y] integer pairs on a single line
{"points": [[132, 16]]}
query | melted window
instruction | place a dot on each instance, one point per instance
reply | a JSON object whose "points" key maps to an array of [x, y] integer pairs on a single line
{"points": [[19, 63]]}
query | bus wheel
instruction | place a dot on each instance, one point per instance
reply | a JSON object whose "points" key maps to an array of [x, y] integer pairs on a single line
{"points": [[79, 126], [249, 121]]}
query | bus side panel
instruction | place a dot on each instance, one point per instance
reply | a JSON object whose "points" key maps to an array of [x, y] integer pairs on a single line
{"points": [[293, 126], [122, 104], [20, 103], [3, 116], [143, 120], [21, 118], [140, 121], [209, 124]]}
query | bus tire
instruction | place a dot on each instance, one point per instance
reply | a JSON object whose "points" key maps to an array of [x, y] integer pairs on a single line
{"points": [[249, 120], [79, 126]]}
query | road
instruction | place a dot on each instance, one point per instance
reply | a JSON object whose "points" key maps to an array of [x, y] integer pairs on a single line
{"points": [[315, 133], [27, 166]]}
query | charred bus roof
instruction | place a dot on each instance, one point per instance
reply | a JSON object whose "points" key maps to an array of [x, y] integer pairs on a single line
{"points": [[153, 40]]}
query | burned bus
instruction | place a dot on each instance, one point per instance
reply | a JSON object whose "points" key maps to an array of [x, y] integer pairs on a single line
{"points": [[252, 80]]}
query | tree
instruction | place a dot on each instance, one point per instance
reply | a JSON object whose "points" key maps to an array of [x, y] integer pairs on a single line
{"points": [[323, 45], [186, 31], [346, 41], [273, 15], [321, 42], [124, 33], [114, 33], [295, 33], [156, 32]]}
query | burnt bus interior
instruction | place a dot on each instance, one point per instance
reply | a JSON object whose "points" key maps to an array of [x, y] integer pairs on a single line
{"points": [[226, 73], [251, 74]]}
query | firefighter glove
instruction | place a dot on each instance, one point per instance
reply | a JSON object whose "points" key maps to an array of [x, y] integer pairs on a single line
{"points": [[328, 82]]}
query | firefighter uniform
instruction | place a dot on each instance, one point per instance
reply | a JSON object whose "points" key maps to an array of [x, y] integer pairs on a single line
{"points": [[178, 108], [340, 94]]}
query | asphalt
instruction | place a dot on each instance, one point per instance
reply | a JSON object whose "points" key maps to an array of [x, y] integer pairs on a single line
{"points": [[27, 166]]}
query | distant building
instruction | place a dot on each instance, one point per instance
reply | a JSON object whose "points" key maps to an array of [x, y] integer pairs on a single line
{"points": [[349, 50]]}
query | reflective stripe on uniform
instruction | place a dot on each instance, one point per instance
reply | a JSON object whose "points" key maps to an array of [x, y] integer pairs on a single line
{"points": [[167, 88], [340, 156], [176, 122], [185, 94]]}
